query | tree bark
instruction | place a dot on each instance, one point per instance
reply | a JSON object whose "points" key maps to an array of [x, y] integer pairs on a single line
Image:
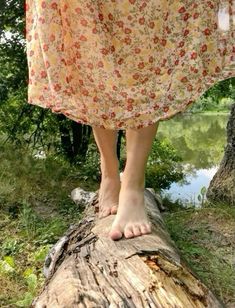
{"points": [[87, 269], [222, 186]]}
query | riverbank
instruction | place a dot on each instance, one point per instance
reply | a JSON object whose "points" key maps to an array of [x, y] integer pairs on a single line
{"points": [[209, 112], [205, 238]]}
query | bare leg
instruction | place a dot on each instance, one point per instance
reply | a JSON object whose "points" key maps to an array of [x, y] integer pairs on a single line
{"points": [[131, 219], [106, 141]]}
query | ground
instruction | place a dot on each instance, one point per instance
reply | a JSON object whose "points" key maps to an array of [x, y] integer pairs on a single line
{"points": [[206, 240]]}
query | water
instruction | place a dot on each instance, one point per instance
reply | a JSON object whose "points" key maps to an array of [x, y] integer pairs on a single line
{"points": [[200, 139]]}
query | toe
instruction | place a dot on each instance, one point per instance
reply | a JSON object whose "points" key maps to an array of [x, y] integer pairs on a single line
{"points": [[114, 209], [115, 234], [128, 232], [136, 230], [104, 213], [147, 227], [144, 229]]}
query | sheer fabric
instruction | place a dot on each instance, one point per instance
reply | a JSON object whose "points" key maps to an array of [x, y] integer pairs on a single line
{"points": [[126, 64]]}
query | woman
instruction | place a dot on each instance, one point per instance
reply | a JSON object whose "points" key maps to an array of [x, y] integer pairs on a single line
{"points": [[126, 65]]}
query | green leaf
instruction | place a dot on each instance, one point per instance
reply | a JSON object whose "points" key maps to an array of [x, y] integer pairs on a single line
{"points": [[32, 281], [9, 260], [203, 190], [28, 272], [41, 253], [5, 267], [26, 301]]}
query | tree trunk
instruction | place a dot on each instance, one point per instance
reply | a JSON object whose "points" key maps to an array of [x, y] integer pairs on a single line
{"points": [[81, 137], [119, 143], [75, 138], [65, 138], [87, 269], [222, 186]]}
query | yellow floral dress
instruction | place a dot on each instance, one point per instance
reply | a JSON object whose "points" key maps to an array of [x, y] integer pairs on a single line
{"points": [[122, 64]]}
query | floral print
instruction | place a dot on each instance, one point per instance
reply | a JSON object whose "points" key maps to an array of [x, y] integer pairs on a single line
{"points": [[126, 64]]}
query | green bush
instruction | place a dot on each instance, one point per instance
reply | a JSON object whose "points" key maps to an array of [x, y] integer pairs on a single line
{"points": [[163, 166]]}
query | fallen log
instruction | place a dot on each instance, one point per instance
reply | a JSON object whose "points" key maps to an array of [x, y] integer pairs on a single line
{"points": [[88, 269]]}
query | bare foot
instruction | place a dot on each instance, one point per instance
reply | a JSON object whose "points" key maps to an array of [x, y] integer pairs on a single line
{"points": [[131, 219], [108, 196]]}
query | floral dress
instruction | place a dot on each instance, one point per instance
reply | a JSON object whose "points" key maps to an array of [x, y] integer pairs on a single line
{"points": [[121, 64]]}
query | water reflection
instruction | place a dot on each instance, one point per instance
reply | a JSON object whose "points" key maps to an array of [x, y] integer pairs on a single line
{"points": [[225, 11], [200, 140], [223, 18]]}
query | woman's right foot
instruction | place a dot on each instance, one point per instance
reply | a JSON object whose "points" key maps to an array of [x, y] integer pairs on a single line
{"points": [[108, 196], [131, 219]]}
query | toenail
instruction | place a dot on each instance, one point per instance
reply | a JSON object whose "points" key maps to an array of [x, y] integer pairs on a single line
{"points": [[129, 235], [144, 230], [136, 231], [115, 235], [148, 228]]}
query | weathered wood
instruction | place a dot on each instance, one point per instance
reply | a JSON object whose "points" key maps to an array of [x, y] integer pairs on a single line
{"points": [[87, 269]]}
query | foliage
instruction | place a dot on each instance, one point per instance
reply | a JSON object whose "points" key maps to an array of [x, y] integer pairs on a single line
{"points": [[22, 123], [217, 98], [163, 166], [201, 197], [194, 138], [90, 169], [35, 210], [34, 180], [21, 257]]}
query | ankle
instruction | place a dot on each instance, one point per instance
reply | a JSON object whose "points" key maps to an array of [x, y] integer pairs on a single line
{"points": [[110, 174], [133, 184], [110, 170], [110, 180]]}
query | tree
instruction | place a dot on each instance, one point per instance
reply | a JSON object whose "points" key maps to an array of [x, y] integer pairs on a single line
{"points": [[21, 122], [222, 186]]}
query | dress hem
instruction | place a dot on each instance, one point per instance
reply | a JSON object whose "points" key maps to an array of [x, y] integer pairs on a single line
{"points": [[153, 118]]}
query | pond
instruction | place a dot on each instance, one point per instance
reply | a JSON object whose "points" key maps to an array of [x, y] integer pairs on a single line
{"points": [[200, 140]]}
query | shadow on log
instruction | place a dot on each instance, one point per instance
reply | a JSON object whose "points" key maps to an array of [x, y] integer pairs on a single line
{"points": [[87, 269]]}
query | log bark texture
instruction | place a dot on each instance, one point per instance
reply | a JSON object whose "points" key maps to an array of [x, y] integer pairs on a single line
{"points": [[87, 269]]}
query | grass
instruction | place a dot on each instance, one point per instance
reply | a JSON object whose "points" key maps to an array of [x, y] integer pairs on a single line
{"points": [[205, 238], [35, 210]]}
